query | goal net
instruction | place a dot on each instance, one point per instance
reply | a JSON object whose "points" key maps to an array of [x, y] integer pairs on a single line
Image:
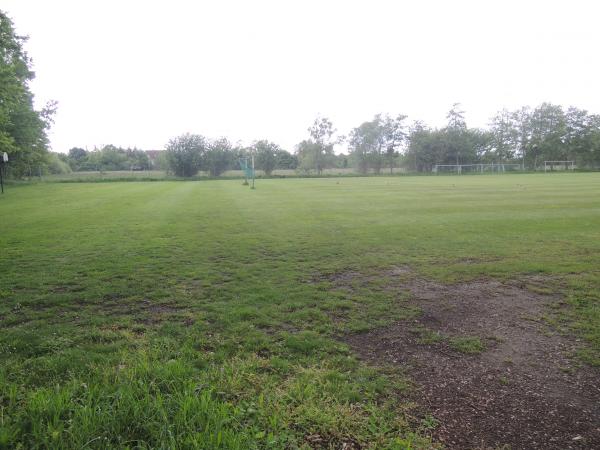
{"points": [[476, 168], [558, 165]]}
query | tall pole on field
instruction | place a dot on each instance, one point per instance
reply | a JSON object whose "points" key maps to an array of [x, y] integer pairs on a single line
{"points": [[3, 161], [253, 171]]}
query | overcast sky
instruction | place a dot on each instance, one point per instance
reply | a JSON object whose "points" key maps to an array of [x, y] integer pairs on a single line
{"points": [[136, 73]]}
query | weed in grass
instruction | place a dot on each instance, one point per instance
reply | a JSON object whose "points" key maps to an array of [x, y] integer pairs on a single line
{"points": [[504, 380], [467, 344], [429, 422], [427, 336]]}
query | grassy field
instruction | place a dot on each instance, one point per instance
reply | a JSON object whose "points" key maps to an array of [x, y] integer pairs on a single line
{"points": [[201, 315]]}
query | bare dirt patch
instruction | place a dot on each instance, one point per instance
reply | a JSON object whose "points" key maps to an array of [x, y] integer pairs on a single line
{"points": [[520, 389], [345, 279], [66, 288], [317, 441], [144, 312]]}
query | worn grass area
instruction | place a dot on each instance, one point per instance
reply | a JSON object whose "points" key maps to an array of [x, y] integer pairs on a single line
{"points": [[202, 314], [160, 175]]}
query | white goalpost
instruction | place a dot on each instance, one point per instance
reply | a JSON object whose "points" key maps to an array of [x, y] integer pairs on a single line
{"points": [[476, 168], [560, 165]]}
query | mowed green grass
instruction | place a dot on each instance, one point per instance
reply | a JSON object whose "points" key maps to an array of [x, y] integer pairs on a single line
{"points": [[203, 315]]}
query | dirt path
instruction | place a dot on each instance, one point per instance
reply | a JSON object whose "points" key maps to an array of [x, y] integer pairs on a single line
{"points": [[519, 388]]}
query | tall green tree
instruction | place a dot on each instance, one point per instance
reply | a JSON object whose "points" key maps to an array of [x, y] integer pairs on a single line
{"points": [[583, 137], [521, 123], [456, 139], [456, 118], [77, 158], [366, 143], [286, 160], [57, 164], [429, 147], [394, 137], [185, 154], [316, 153], [266, 155], [548, 128], [426, 147], [376, 142], [504, 138], [218, 156], [22, 128]]}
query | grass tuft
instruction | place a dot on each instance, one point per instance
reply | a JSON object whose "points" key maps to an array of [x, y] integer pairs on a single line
{"points": [[467, 344]]}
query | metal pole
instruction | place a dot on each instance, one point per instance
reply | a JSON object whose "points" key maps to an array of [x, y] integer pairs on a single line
{"points": [[245, 171], [3, 161], [253, 171]]}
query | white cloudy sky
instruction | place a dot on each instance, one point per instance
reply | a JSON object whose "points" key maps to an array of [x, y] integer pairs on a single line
{"points": [[136, 73]]}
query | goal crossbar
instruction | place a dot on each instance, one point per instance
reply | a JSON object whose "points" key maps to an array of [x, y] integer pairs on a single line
{"points": [[500, 167], [569, 165]]}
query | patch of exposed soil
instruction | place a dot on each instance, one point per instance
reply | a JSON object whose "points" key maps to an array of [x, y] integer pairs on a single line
{"points": [[345, 278], [145, 311], [64, 288], [522, 392], [317, 441], [337, 277]]}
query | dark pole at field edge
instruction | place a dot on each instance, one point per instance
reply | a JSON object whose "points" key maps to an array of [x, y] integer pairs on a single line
{"points": [[253, 171], [3, 161]]}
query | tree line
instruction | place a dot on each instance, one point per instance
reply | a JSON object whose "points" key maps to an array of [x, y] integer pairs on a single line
{"points": [[106, 158], [525, 137], [189, 154]]}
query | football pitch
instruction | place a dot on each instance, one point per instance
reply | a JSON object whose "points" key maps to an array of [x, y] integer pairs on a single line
{"points": [[308, 313]]}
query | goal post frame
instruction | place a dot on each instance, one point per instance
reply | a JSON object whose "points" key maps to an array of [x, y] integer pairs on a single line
{"points": [[565, 163], [479, 167]]}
